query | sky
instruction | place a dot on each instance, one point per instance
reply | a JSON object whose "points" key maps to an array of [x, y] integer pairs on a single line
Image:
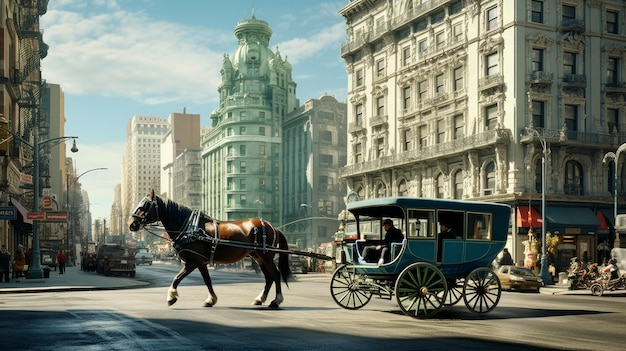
{"points": [[115, 59]]}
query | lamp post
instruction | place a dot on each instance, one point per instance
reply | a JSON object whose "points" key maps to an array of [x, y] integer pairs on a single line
{"points": [[543, 273], [614, 156], [71, 233]]}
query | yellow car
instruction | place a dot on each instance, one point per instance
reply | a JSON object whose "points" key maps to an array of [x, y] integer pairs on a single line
{"points": [[518, 278]]}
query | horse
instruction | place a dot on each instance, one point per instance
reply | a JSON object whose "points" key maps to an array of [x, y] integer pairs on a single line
{"points": [[219, 242]]}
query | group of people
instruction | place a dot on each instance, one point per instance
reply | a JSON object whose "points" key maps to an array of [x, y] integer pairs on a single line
{"points": [[18, 264]]}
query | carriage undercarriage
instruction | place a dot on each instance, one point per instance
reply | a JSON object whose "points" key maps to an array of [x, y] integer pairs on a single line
{"points": [[421, 289]]}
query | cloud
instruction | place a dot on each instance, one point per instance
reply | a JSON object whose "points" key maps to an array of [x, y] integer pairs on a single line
{"points": [[302, 48]]}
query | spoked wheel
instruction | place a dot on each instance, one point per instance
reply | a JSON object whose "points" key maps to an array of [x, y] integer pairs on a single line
{"points": [[482, 290], [596, 289], [421, 290], [347, 289], [455, 292]]}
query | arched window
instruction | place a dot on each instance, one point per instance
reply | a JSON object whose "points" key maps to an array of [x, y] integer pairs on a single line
{"points": [[440, 187], [402, 188], [361, 193], [380, 190], [490, 178], [573, 178], [458, 184], [538, 175]]}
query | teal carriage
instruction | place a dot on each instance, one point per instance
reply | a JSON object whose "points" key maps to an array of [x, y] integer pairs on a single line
{"points": [[425, 272]]}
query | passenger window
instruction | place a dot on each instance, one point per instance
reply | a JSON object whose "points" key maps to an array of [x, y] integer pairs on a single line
{"points": [[452, 219], [421, 223], [479, 226]]}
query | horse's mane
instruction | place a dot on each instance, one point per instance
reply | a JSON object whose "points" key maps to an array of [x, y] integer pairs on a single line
{"points": [[180, 213]]}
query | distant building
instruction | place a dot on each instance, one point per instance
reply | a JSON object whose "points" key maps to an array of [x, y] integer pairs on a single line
{"points": [[241, 152], [313, 151], [462, 99]]}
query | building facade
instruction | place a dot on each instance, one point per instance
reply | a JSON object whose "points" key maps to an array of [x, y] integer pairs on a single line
{"points": [[313, 151], [463, 99], [241, 151]]}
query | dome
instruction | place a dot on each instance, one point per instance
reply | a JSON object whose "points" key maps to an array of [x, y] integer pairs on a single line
{"points": [[253, 51]]}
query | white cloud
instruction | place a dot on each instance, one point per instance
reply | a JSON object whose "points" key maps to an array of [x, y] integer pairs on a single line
{"points": [[301, 48]]}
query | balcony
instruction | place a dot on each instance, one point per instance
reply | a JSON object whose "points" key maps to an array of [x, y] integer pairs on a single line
{"points": [[573, 25], [541, 79], [355, 127], [378, 121], [490, 82], [575, 80]]}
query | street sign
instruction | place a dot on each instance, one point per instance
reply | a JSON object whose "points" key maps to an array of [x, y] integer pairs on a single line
{"points": [[36, 215], [46, 202], [8, 212], [56, 216]]}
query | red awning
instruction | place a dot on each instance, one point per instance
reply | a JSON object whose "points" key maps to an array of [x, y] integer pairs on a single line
{"points": [[603, 223], [528, 217]]}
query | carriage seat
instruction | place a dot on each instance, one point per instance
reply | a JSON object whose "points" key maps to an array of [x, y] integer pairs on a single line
{"points": [[396, 248]]}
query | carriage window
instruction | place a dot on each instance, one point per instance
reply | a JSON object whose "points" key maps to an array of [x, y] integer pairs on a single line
{"points": [[452, 219], [479, 226], [421, 224]]}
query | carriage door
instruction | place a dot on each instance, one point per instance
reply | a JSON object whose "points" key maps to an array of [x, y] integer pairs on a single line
{"points": [[421, 227]]}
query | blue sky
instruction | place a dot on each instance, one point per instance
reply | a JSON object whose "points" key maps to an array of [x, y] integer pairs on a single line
{"points": [[118, 58]]}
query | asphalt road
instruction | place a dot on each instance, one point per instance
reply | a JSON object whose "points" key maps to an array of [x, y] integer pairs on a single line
{"points": [[139, 319]]}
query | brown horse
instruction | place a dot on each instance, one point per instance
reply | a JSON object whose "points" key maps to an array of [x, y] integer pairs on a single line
{"points": [[216, 242]]}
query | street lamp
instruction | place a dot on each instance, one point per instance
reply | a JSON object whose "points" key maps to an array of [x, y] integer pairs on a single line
{"points": [[544, 274], [615, 158], [34, 268], [71, 233]]}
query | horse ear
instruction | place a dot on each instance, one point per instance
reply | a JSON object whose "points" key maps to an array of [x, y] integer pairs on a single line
{"points": [[152, 194]]}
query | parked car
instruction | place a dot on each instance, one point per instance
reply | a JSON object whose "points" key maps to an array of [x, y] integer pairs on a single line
{"points": [[144, 258], [518, 278]]}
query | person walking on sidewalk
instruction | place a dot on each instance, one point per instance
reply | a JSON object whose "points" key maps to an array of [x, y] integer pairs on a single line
{"points": [[20, 262], [5, 264], [61, 260]]}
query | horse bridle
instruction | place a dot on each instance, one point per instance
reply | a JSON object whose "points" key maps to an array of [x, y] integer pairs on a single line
{"points": [[153, 207]]}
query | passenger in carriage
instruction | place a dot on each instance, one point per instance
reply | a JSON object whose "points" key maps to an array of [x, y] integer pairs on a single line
{"points": [[382, 252], [446, 232]]}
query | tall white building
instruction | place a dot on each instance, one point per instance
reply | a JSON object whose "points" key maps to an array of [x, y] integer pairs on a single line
{"points": [[141, 162], [462, 99]]}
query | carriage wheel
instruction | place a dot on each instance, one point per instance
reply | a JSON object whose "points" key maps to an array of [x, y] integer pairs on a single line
{"points": [[346, 288], [482, 290], [455, 292], [421, 290], [597, 289]]}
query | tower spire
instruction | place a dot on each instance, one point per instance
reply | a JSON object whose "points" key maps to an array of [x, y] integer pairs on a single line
{"points": [[252, 8]]}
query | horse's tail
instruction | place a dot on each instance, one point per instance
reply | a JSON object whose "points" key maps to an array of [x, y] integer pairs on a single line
{"points": [[283, 258]]}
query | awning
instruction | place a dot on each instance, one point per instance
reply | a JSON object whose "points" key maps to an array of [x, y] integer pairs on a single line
{"points": [[23, 211], [609, 216], [528, 217], [604, 227], [571, 220]]}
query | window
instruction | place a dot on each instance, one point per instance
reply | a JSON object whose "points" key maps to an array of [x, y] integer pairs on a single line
{"points": [[612, 120], [406, 56], [242, 199], [380, 106], [490, 178], [359, 77], [612, 18], [538, 114], [536, 11], [262, 167], [326, 159], [612, 69], [536, 57], [408, 139], [406, 97], [569, 63], [441, 131], [492, 18], [459, 124], [242, 167], [573, 178], [440, 186], [380, 68], [458, 185], [423, 93], [570, 113], [262, 131], [478, 226], [403, 189], [262, 184], [242, 150], [439, 89], [261, 150], [423, 45], [358, 153], [262, 115], [491, 61], [457, 32], [242, 114], [358, 114], [242, 130], [539, 175], [569, 13], [380, 147], [458, 78], [423, 136], [242, 184], [440, 39], [326, 135], [491, 116]]}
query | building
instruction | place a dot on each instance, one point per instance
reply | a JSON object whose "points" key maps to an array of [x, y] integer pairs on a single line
{"points": [[313, 151], [241, 151], [462, 99], [141, 162]]}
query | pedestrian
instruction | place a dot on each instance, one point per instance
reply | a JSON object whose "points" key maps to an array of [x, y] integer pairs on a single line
{"points": [[506, 259], [19, 263], [61, 260], [5, 264]]}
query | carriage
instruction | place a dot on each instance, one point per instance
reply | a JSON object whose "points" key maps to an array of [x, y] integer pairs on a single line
{"points": [[425, 272]]}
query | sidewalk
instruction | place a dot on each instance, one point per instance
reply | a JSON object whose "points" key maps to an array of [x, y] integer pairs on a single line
{"points": [[73, 279]]}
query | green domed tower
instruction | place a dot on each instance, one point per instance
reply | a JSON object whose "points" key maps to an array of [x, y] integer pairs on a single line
{"points": [[241, 152]]}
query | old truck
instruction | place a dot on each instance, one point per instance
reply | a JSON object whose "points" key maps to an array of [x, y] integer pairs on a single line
{"points": [[116, 259]]}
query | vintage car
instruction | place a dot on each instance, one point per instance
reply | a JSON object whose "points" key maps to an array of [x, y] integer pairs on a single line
{"points": [[518, 278], [144, 257]]}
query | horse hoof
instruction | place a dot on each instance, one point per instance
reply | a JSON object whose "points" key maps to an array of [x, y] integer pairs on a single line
{"points": [[256, 303], [171, 302], [206, 304], [273, 305]]}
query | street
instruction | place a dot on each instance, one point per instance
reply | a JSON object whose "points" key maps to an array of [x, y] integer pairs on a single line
{"points": [[308, 319]]}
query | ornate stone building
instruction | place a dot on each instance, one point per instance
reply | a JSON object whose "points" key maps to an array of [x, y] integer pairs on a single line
{"points": [[463, 98]]}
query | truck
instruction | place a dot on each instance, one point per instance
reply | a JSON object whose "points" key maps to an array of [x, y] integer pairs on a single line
{"points": [[116, 259]]}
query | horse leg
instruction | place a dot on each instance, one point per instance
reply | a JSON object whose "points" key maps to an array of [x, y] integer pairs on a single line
{"points": [[172, 293], [260, 299], [275, 274], [212, 299]]}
